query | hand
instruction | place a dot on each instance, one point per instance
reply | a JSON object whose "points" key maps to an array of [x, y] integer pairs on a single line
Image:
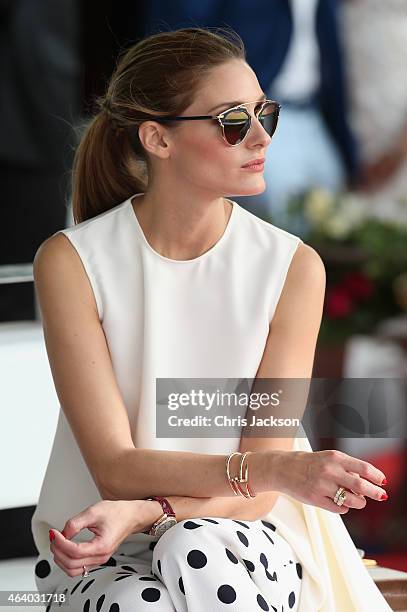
{"points": [[110, 521], [314, 477], [376, 174]]}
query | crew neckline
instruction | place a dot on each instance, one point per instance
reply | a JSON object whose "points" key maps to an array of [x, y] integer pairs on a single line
{"points": [[207, 253]]}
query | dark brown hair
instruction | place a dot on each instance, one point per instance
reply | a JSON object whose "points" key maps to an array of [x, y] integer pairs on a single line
{"points": [[159, 75]]}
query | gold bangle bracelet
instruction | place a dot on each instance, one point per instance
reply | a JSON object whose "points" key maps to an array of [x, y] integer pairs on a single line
{"points": [[245, 481], [236, 481], [232, 480]]}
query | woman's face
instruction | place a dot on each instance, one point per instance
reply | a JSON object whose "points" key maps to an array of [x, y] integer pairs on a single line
{"points": [[199, 155]]}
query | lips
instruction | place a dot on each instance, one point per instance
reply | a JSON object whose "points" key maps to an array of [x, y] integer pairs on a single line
{"points": [[254, 162]]}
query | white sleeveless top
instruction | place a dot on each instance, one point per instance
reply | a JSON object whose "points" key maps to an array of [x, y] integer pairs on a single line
{"points": [[206, 317]]}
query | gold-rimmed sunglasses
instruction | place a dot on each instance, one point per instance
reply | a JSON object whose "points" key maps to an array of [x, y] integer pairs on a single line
{"points": [[236, 121]]}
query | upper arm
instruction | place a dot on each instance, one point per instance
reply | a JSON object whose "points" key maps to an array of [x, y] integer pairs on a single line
{"points": [[290, 347], [79, 357], [293, 332]]}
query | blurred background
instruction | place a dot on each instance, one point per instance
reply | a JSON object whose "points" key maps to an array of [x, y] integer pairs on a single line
{"points": [[336, 174]]}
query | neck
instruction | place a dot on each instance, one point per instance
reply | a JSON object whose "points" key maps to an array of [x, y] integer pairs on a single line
{"points": [[181, 227]]}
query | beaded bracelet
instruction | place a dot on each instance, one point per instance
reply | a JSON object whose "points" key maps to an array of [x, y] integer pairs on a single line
{"points": [[236, 481]]}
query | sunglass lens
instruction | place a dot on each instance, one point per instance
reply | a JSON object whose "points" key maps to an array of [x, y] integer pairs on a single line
{"points": [[235, 126], [269, 118]]}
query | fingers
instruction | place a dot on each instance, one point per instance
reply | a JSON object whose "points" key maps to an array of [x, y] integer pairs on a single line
{"points": [[71, 556], [359, 485], [329, 504], [352, 500], [365, 469], [79, 550], [75, 568]]}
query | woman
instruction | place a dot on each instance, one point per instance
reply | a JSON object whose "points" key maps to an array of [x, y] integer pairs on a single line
{"points": [[151, 283]]}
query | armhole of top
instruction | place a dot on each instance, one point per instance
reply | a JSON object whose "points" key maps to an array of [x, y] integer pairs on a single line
{"points": [[283, 278], [89, 274]]}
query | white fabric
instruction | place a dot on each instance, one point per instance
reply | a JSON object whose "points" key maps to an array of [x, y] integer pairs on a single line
{"points": [[299, 76], [203, 318]]}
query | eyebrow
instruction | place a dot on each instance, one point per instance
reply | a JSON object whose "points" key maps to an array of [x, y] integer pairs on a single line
{"points": [[227, 105]]}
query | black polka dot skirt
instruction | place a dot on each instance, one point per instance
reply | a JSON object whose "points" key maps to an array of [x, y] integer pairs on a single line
{"points": [[199, 565]]}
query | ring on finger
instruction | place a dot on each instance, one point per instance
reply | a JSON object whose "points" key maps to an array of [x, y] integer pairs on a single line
{"points": [[340, 496]]}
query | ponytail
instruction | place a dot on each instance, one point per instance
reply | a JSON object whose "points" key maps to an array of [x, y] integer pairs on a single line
{"points": [[105, 170]]}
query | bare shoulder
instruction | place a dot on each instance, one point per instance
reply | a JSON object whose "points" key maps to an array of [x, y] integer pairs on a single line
{"points": [[58, 269], [54, 251], [307, 263], [304, 286], [306, 272]]}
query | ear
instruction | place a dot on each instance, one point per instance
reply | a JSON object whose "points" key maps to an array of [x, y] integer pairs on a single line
{"points": [[154, 138]]}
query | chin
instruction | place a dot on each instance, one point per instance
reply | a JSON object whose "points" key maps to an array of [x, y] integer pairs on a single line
{"points": [[250, 190]]}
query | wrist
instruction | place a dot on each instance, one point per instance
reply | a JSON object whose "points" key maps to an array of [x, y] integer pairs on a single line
{"points": [[272, 463], [166, 519], [149, 512], [154, 511]]}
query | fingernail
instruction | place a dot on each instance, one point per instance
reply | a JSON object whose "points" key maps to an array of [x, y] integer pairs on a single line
{"points": [[384, 482], [384, 496], [51, 535]]}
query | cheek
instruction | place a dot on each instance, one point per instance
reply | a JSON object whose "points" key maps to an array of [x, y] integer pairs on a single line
{"points": [[204, 158]]}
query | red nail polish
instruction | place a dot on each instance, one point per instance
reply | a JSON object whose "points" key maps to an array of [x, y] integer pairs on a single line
{"points": [[384, 496], [51, 535], [384, 482]]}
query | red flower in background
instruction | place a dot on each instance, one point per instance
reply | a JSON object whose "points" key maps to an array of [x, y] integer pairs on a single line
{"points": [[338, 302], [359, 286]]}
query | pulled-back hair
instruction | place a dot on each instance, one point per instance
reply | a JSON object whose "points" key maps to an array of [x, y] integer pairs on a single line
{"points": [[159, 75]]}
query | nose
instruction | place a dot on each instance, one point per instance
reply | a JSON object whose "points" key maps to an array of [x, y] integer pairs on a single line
{"points": [[257, 134]]}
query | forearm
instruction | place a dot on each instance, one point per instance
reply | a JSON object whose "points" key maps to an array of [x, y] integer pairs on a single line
{"points": [[192, 507], [141, 473], [235, 508]]}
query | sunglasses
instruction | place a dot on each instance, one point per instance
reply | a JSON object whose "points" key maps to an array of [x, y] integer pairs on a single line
{"points": [[236, 121]]}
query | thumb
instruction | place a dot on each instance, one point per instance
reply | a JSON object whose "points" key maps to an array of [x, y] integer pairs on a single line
{"points": [[76, 523]]}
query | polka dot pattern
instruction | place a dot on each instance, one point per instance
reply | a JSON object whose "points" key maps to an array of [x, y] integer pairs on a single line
{"points": [[42, 569], [226, 594], [150, 594], [181, 585], [242, 538], [262, 602], [291, 599], [196, 559], [231, 556], [191, 525], [249, 565], [227, 563]]}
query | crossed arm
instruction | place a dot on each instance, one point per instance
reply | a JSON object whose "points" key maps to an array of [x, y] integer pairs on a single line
{"points": [[83, 376]]}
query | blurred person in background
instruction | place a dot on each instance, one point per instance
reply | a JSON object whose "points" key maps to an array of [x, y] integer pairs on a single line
{"points": [[295, 49], [39, 101], [375, 38]]}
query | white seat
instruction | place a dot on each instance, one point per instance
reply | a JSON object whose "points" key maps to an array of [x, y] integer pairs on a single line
{"points": [[29, 414]]}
